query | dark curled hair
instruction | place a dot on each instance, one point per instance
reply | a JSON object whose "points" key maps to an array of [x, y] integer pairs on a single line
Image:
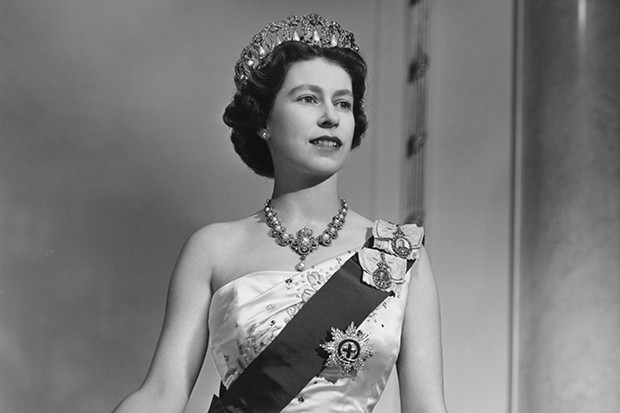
{"points": [[253, 101]]}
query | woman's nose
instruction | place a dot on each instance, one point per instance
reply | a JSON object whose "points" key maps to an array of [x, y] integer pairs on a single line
{"points": [[330, 117]]}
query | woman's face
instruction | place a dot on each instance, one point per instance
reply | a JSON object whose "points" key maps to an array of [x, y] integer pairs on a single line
{"points": [[311, 123]]}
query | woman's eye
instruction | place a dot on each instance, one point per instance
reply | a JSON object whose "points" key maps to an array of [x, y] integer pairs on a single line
{"points": [[344, 105], [308, 99]]}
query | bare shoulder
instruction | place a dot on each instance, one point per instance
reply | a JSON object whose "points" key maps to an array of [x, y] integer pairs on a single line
{"points": [[359, 220], [359, 226], [219, 245], [214, 240], [212, 236]]}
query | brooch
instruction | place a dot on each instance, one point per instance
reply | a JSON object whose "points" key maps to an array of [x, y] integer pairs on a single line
{"points": [[403, 241], [381, 277], [400, 244], [348, 350], [383, 271]]}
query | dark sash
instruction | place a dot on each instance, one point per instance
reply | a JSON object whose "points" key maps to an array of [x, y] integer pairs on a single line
{"points": [[294, 357]]}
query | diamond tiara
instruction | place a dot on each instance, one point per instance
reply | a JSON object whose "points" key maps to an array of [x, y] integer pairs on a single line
{"points": [[311, 29]]}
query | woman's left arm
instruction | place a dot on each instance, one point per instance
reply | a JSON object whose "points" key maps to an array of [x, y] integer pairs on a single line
{"points": [[419, 365]]}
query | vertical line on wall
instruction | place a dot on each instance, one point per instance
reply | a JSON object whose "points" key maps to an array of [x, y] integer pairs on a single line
{"points": [[388, 108], [415, 111], [405, 178], [374, 207], [515, 206]]}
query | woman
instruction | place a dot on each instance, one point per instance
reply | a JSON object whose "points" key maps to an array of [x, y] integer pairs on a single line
{"points": [[299, 322]]}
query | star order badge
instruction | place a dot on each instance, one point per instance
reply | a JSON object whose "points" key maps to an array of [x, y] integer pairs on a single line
{"points": [[348, 350]]}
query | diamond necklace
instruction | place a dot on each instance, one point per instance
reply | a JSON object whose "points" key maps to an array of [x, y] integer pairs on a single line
{"points": [[304, 243]]}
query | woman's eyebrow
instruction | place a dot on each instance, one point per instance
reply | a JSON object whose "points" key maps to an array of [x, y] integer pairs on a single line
{"points": [[305, 86], [343, 92], [318, 90]]}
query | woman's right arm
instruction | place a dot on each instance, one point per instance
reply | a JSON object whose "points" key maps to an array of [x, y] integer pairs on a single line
{"points": [[183, 340]]}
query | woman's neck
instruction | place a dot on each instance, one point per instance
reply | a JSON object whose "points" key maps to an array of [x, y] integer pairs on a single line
{"points": [[312, 206]]}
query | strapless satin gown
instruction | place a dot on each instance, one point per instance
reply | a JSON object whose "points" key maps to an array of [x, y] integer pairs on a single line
{"points": [[247, 313]]}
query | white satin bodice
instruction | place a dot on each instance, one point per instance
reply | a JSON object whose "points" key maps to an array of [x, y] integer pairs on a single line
{"points": [[247, 313]]}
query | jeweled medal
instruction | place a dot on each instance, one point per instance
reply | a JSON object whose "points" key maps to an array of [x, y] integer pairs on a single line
{"points": [[381, 277], [400, 244], [348, 350]]}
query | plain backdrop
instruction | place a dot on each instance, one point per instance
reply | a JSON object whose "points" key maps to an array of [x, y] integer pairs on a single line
{"points": [[112, 152]]}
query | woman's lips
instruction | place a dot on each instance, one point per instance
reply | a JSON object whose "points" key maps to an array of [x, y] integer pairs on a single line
{"points": [[327, 142]]}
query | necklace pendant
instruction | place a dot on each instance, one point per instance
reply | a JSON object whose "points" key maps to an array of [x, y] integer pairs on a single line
{"points": [[304, 242]]}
